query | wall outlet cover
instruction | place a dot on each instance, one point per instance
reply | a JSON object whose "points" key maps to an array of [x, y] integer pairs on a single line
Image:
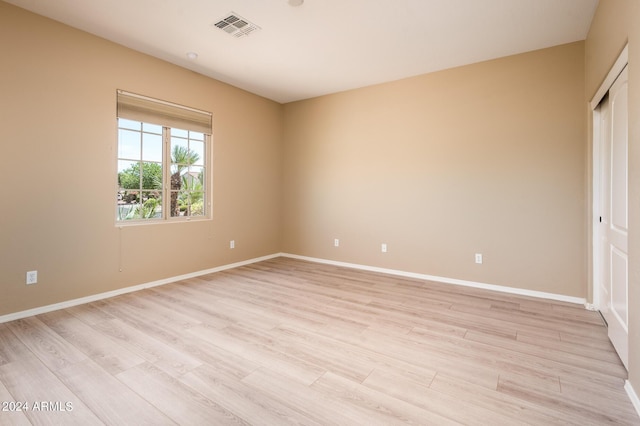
{"points": [[32, 277]]}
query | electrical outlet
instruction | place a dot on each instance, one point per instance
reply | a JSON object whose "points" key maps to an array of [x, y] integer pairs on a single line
{"points": [[32, 277], [336, 242], [478, 257], [383, 248], [232, 244]]}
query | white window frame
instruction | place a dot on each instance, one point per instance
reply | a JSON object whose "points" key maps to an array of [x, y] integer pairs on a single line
{"points": [[167, 116]]}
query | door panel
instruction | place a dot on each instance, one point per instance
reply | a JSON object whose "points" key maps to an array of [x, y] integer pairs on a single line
{"points": [[614, 228]]}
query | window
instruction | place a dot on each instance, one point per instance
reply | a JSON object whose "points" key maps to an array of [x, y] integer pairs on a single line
{"points": [[163, 161]]}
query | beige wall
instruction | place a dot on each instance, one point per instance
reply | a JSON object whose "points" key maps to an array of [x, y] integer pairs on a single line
{"points": [[58, 138], [616, 22], [488, 158]]}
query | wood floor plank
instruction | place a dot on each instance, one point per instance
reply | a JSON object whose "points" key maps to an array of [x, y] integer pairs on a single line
{"points": [[522, 411], [157, 313], [613, 398], [286, 341], [260, 354], [573, 361], [418, 393], [523, 320], [385, 407], [605, 355], [600, 341], [543, 333], [231, 314], [11, 348], [342, 357], [538, 380], [322, 407], [534, 361], [197, 350], [49, 400], [48, 346], [243, 400], [580, 408], [149, 348], [112, 402], [181, 297], [10, 413], [469, 321], [180, 402], [89, 313], [246, 299], [98, 346], [324, 357], [497, 352], [466, 367]]}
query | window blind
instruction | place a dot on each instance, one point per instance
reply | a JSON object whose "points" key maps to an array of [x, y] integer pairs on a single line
{"points": [[141, 108]]}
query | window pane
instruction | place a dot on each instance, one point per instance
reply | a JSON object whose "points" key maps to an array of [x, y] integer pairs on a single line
{"points": [[193, 181], [196, 174], [190, 203], [152, 128], [128, 124], [196, 136], [175, 204], [179, 150], [151, 175], [197, 204], [128, 174], [184, 202], [139, 205], [127, 205], [197, 148], [180, 133], [175, 172], [151, 147], [128, 144], [151, 206], [126, 211]]}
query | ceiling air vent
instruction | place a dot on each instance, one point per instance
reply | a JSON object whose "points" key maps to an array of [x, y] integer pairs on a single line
{"points": [[236, 25]]}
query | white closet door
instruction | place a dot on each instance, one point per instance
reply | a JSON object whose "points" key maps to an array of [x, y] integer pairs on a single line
{"points": [[614, 227]]}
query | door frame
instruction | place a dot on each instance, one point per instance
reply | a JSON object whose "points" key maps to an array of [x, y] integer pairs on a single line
{"points": [[596, 133]]}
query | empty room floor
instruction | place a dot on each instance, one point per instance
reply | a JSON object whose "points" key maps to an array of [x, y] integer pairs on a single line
{"points": [[287, 341]]}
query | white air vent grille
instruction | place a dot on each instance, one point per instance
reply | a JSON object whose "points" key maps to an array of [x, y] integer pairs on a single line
{"points": [[236, 25]]}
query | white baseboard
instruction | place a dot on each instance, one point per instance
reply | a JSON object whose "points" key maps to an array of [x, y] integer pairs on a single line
{"points": [[100, 296], [633, 396], [503, 289]]}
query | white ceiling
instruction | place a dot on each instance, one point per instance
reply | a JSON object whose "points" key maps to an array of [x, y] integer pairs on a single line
{"points": [[325, 46]]}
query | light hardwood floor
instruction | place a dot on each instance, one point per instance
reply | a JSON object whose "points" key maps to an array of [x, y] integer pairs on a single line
{"points": [[287, 341]]}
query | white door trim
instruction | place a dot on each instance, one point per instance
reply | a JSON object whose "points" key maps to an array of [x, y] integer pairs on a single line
{"points": [[615, 71]]}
